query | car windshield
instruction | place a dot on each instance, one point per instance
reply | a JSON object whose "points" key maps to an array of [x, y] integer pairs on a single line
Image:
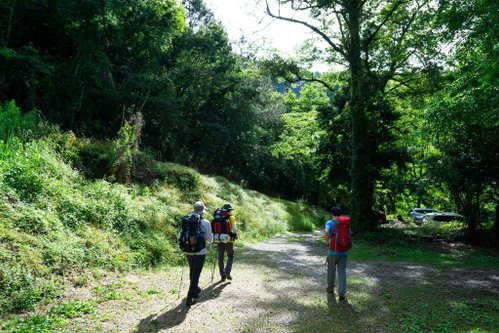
{"points": [[425, 211]]}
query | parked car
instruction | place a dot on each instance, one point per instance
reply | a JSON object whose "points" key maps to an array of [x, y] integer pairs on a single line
{"points": [[439, 217], [417, 214]]}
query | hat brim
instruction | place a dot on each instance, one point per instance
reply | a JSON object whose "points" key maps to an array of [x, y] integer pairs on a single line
{"points": [[200, 212]]}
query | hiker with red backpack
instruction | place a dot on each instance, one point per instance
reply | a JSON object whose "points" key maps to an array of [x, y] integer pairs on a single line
{"points": [[224, 230], [339, 241], [194, 235]]}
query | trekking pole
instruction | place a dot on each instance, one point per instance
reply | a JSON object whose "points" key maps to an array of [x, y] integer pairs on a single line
{"points": [[181, 278], [213, 268]]}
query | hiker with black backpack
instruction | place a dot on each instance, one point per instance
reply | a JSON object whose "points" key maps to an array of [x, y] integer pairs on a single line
{"points": [[339, 241], [195, 232], [224, 231]]}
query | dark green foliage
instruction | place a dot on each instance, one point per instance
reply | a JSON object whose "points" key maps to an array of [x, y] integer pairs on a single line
{"points": [[94, 159], [73, 60], [187, 180], [145, 168], [375, 43], [463, 119]]}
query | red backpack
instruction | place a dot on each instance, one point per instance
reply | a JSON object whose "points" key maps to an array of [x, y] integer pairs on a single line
{"points": [[221, 222], [341, 235]]}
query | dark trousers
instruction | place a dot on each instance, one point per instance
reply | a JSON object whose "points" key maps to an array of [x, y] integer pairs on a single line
{"points": [[222, 247], [196, 263]]}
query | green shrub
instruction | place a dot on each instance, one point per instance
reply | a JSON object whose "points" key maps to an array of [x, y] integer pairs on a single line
{"points": [[13, 123], [36, 220], [124, 147], [105, 250], [53, 320], [38, 324], [73, 309], [64, 252], [22, 171], [145, 169], [23, 279], [94, 159], [185, 179], [67, 144], [451, 230], [73, 211], [301, 218], [223, 188], [151, 249]]}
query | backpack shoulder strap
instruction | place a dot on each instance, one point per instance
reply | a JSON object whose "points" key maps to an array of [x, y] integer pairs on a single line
{"points": [[200, 225]]}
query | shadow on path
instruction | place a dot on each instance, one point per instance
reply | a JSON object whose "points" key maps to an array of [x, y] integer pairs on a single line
{"points": [[174, 317]]}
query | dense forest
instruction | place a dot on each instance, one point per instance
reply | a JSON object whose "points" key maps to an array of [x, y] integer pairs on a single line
{"points": [[116, 115]]}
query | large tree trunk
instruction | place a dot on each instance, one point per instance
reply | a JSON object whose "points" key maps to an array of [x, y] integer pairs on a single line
{"points": [[362, 186], [467, 206]]}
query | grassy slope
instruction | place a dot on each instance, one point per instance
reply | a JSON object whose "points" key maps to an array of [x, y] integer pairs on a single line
{"points": [[58, 228]]}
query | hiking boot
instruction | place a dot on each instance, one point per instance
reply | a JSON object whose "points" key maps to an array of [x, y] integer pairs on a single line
{"points": [[342, 298], [330, 290], [229, 277], [190, 301], [196, 294], [223, 278]]}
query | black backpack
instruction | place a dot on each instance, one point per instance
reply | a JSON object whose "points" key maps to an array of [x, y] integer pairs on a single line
{"points": [[192, 236], [221, 222]]}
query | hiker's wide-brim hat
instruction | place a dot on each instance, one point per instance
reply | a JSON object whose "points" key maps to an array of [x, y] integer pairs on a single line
{"points": [[200, 208]]}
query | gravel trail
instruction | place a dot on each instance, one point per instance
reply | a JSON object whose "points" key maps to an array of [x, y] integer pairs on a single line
{"points": [[278, 285]]}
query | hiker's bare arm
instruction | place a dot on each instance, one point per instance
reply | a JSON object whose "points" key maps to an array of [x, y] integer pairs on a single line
{"points": [[326, 234]]}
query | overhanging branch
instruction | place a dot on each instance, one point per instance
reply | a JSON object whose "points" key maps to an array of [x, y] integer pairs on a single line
{"points": [[299, 78], [326, 38]]}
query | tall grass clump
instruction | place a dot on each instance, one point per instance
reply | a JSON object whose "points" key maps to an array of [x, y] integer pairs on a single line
{"points": [[13, 123]]}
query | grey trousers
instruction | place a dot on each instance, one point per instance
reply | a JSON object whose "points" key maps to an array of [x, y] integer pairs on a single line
{"points": [[337, 263], [222, 247]]}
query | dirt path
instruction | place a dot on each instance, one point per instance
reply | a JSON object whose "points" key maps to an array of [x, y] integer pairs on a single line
{"points": [[278, 286]]}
